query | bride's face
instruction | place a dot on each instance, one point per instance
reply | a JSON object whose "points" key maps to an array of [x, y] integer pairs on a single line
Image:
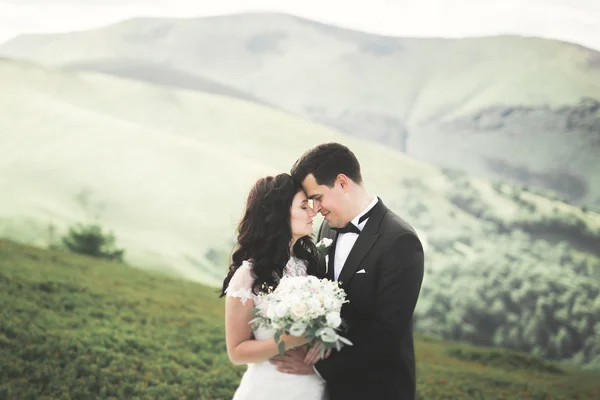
{"points": [[301, 216]]}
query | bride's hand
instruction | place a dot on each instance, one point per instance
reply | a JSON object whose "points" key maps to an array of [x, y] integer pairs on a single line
{"points": [[314, 354]]}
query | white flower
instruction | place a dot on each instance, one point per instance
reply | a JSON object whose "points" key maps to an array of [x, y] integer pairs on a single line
{"points": [[336, 304], [281, 309], [297, 283], [315, 306], [325, 242], [333, 319], [329, 335], [298, 329], [298, 310], [293, 298]]}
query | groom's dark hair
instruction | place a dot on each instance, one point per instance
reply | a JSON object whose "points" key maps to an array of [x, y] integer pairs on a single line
{"points": [[325, 162]]}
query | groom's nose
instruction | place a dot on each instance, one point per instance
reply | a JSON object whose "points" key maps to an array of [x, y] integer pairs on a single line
{"points": [[316, 206]]}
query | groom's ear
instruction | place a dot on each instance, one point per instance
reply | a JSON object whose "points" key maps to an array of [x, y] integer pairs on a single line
{"points": [[343, 180]]}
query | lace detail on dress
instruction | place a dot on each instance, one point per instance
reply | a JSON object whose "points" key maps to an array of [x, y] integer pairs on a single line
{"points": [[240, 285], [242, 280], [295, 267]]}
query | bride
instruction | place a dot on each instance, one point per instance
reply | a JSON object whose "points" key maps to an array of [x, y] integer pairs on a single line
{"points": [[273, 241]]}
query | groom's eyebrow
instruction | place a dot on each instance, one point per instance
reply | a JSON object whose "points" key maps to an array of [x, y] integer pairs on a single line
{"points": [[314, 195]]}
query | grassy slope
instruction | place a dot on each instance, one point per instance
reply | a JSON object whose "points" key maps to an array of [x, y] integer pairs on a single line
{"points": [[77, 327]]}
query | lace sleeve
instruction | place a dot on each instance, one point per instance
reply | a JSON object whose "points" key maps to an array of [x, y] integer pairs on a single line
{"points": [[241, 282]]}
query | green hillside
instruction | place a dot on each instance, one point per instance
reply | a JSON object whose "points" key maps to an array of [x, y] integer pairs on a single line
{"points": [[75, 327]]}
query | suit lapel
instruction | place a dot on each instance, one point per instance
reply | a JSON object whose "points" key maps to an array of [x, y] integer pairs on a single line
{"points": [[331, 263], [363, 244], [360, 249]]}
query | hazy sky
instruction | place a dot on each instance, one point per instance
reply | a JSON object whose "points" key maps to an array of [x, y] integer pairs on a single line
{"points": [[572, 20]]}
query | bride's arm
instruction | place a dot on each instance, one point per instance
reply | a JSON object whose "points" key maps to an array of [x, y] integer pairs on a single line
{"points": [[241, 347]]}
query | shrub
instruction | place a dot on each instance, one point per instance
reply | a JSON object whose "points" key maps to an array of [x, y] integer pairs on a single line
{"points": [[90, 239]]}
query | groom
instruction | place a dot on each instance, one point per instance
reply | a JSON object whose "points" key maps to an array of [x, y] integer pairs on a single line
{"points": [[378, 259]]}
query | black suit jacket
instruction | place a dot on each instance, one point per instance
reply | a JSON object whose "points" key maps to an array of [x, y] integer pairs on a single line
{"points": [[381, 363]]}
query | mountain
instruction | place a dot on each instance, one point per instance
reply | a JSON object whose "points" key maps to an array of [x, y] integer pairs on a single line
{"points": [[168, 171], [511, 108], [157, 74], [82, 328]]}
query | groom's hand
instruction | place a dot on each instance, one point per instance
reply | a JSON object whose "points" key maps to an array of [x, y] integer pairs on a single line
{"points": [[314, 354], [292, 362]]}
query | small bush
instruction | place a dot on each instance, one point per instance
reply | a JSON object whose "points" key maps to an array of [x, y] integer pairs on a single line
{"points": [[90, 239]]}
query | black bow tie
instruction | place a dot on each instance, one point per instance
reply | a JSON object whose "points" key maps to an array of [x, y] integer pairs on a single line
{"points": [[351, 228]]}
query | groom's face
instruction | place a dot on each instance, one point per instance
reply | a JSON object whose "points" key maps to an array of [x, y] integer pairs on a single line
{"points": [[327, 201]]}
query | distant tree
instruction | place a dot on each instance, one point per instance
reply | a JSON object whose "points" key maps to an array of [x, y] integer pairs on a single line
{"points": [[90, 239]]}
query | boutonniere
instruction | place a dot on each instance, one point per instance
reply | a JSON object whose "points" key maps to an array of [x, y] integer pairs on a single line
{"points": [[322, 249]]}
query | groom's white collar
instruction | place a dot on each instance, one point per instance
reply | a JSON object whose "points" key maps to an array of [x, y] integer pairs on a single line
{"points": [[363, 212]]}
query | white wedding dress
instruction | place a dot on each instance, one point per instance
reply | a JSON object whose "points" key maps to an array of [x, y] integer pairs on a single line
{"points": [[262, 381]]}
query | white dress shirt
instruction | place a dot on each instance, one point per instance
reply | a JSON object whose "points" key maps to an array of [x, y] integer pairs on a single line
{"points": [[345, 241]]}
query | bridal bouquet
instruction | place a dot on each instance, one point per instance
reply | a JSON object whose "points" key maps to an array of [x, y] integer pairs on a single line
{"points": [[303, 305]]}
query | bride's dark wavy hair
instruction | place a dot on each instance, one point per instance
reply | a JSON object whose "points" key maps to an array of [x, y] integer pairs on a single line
{"points": [[265, 233]]}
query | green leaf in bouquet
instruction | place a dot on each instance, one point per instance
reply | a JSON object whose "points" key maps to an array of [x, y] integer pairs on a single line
{"points": [[345, 341], [255, 312], [281, 347], [323, 350], [255, 327], [277, 336], [343, 326]]}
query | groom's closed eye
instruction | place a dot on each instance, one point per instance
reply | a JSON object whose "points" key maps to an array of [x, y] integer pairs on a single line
{"points": [[317, 197]]}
